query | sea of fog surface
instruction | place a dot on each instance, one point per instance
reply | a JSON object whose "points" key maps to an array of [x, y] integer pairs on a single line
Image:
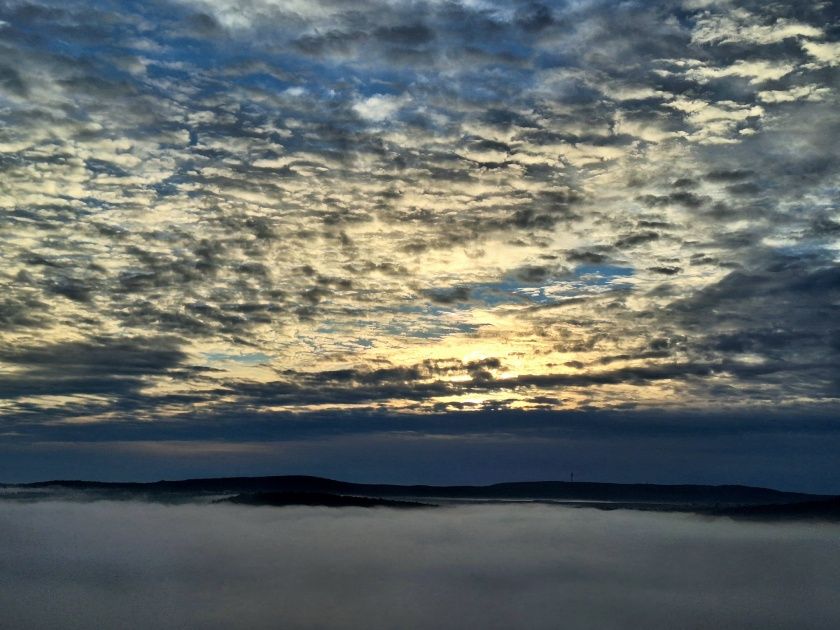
{"points": [[135, 565]]}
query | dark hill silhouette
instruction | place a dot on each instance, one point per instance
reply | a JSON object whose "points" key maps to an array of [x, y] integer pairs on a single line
{"points": [[191, 489], [283, 499], [827, 510]]}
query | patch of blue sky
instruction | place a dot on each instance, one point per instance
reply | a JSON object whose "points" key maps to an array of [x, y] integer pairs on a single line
{"points": [[381, 81], [496, 294], [515, 48], [427, 322], [483, 85], [251, 358], [807, 250], [545, 60], [266, 81], [602, 274], [341, 336], [584, 280], [178, 47]]}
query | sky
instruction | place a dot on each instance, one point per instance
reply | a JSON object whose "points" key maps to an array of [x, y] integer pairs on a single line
{"points": [[428, 240]]}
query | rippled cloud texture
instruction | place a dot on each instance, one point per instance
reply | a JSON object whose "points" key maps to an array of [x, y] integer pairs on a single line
{"points": [[218, 210], [139, 566]]}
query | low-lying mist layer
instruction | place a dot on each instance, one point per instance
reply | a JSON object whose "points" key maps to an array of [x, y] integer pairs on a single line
{"points": [[133, 565]]}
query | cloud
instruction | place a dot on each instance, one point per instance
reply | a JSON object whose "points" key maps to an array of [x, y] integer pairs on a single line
{"points": [[104, 365], [755, 71], [743, 26], [487, 566], [286, 207], [825, 52], [378, 107]]}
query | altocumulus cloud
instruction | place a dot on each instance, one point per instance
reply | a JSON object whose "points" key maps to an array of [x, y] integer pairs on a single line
{"points": [[132, 565], [415, 207]]}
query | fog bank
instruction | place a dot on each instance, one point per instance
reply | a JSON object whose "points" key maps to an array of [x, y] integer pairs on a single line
{"points": [[134, 565]]}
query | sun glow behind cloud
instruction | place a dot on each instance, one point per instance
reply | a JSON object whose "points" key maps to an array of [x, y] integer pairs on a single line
{"points": [[292, 206]]}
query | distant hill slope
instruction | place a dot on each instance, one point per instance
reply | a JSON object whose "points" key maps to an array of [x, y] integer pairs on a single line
{"points": [[188, 489], [827, 510], [321, 499]]}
